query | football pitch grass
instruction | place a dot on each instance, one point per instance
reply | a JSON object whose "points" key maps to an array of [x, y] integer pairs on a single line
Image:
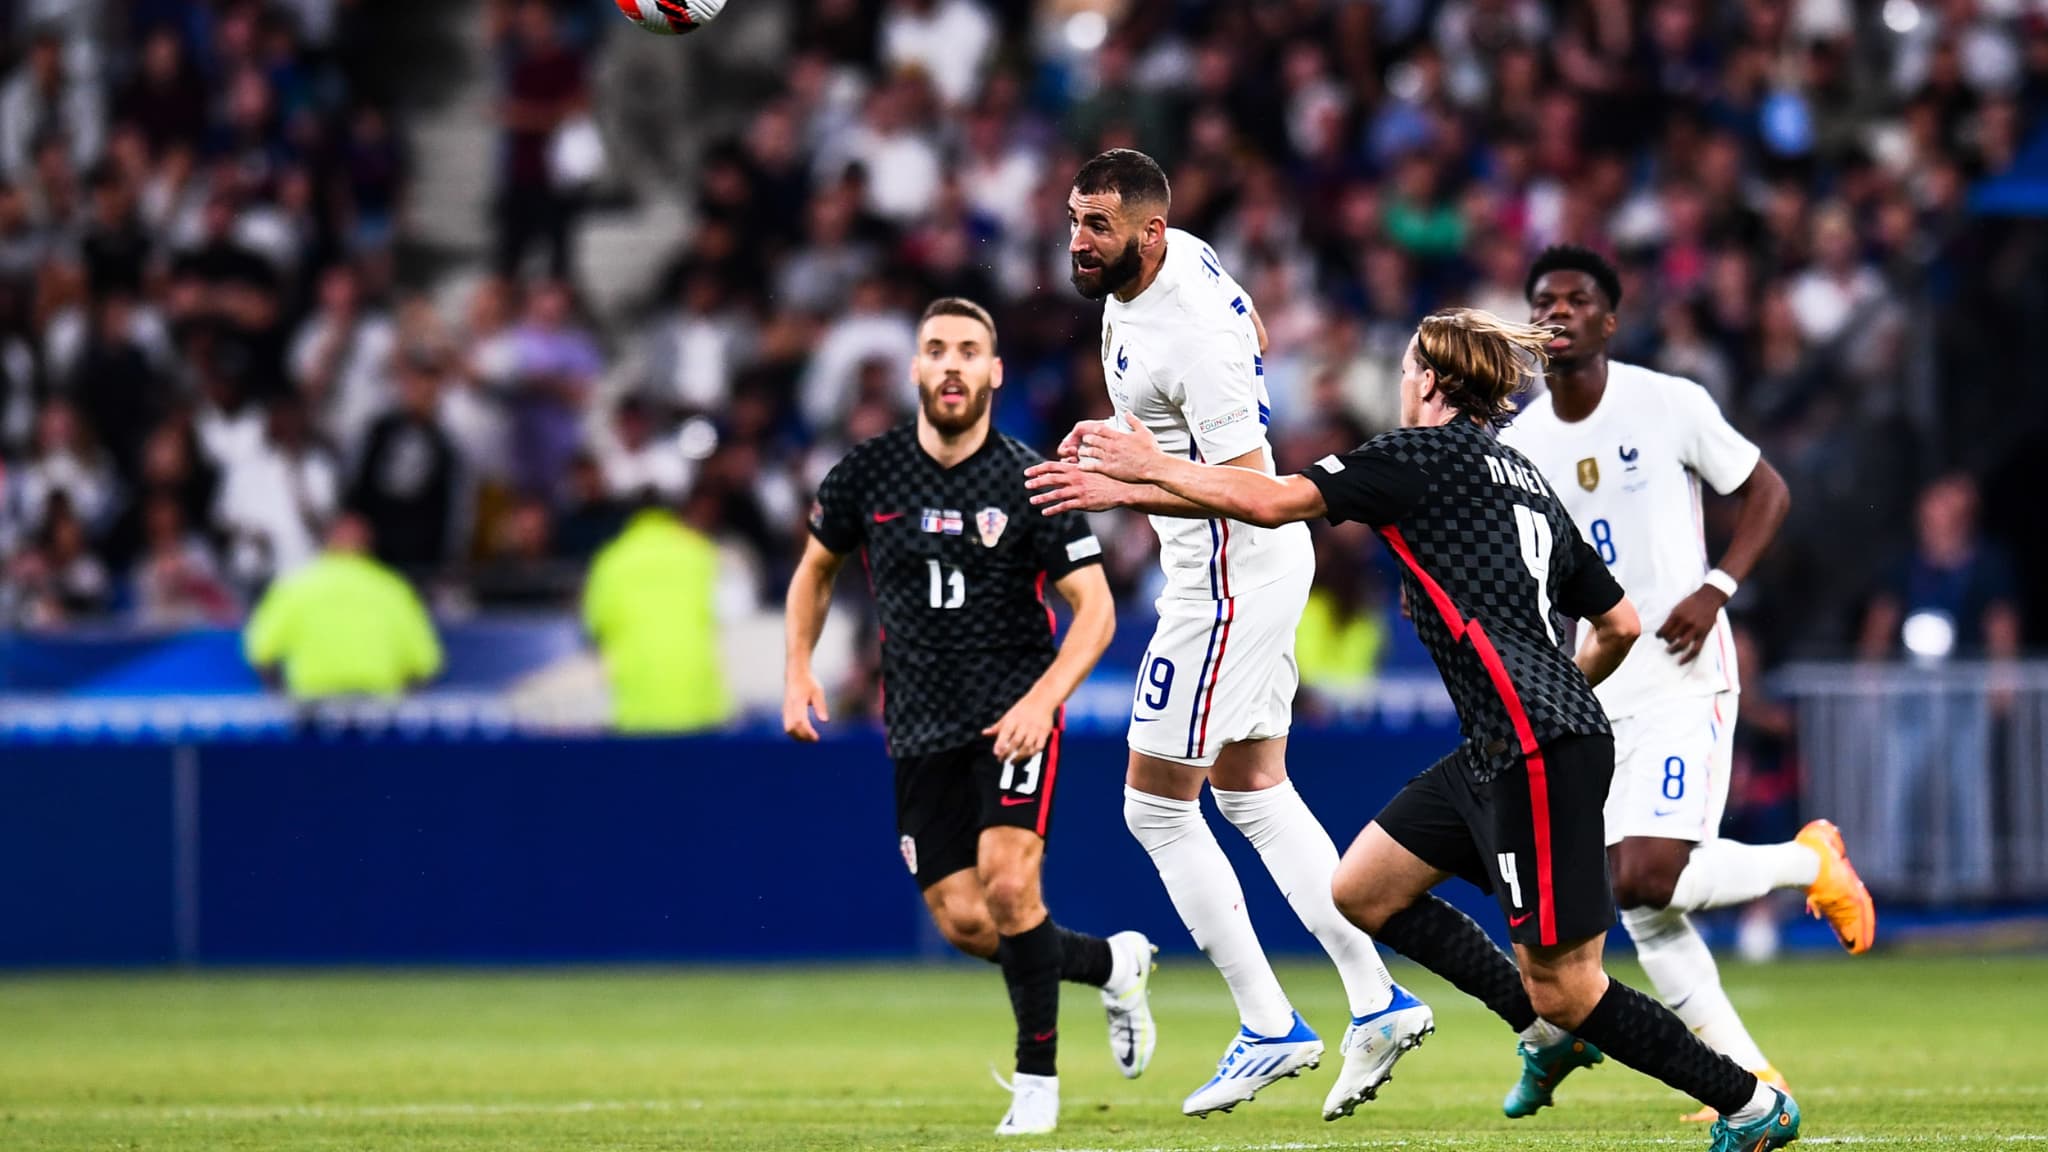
{"points": [[1886, 1051]]}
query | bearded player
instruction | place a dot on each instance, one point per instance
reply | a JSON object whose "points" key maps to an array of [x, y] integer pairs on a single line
{"points": [[1626, 449], [959, 561], [1182, 352]]}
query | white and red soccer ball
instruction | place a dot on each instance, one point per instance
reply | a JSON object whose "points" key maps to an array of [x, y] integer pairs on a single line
{"points": [[671, 17]]}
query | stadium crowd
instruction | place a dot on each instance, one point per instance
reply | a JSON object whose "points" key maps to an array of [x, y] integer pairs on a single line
{"points": [[205, 356]]}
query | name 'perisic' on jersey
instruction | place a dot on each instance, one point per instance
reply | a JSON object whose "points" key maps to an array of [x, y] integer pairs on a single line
{"points": [[1493, 567], [958, 559]]}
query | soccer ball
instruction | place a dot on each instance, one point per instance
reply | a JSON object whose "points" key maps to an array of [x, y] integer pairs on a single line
{"points": [[671, 17]]}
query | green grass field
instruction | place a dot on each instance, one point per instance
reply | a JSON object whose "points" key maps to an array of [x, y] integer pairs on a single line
{"points": [[1897, 1052]]}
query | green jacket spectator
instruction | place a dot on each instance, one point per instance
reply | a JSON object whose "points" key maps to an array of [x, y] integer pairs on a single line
{"points": [[343, 625], [649, 605]]}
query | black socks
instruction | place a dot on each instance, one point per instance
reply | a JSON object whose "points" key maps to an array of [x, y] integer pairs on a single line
{"points": [[1649, 1038], [1033, 963], [1447, 942]]}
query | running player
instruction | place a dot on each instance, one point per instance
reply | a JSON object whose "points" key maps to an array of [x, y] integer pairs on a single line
{"points": [[1182, 352], [1626, 449], [1495, 569], [959, 563]]}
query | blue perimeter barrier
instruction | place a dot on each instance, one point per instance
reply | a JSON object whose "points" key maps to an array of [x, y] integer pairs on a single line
{"points": [[348, 849]]}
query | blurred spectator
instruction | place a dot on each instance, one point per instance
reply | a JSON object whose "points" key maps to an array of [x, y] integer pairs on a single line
{"points": [[522, 571], [649, 605], [554, 363], [166, 99], [67, 463], [57, 578], [589, 518], [177, 582], [545, 90], [118, 388], [873, 331], [343, 625], [43, 101], [341, 359], [1343, 628], [946, 40], [409, 473], [1954, 594], [636, 458], [277, 496]]}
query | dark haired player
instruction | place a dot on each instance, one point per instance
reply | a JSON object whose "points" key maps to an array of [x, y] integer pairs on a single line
{"points": [[1496, 570], [1626, 450], [975, 685], [1182, 352]]}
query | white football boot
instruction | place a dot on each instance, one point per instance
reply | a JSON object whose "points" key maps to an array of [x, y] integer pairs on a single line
{"points": [[1132, 1037], [1371, 1046], [1251, 1063], [1034, 1106]]}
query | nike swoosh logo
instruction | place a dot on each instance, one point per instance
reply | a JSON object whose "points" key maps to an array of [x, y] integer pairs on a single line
{"points": [[1013, 801], [1518, 921], [885, 517], [1042, 1037], [1143, 719], [1660, 812]]}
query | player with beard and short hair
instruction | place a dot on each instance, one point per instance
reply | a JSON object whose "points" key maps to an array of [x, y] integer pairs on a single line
{"points": [[959, 560], [1182, 353], [1627, 449]]}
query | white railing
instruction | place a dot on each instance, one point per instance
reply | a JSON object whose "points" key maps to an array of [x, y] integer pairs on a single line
{"points": [[1938, 775]]}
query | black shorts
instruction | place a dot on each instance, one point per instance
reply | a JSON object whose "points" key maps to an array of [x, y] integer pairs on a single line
{"points": [[1533, 836], [945, 799]]}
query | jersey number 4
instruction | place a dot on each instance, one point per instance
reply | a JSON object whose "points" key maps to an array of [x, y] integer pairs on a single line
{"points": [[949, 587], [1534, 531]]}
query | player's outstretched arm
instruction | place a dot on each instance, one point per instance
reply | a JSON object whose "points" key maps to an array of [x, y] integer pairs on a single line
{"points": [[1765, 499], [1614, 632], [1232, 489], [810, 598], [1025, 728]]}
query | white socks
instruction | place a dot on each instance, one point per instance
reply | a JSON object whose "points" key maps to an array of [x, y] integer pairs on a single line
{"points": [[1682, 970], [1205, 892], [1297, 851], [1724, 872]]}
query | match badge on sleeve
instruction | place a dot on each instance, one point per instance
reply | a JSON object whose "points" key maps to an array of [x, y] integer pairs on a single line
{"points": [[1589, 473], [991, 521], [909, 847]]}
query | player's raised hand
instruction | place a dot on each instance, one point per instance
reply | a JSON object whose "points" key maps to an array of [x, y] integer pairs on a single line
{"points": [[1120, 453], [1685, 632], [1023, 730], [1065, 486], [801, 696]]}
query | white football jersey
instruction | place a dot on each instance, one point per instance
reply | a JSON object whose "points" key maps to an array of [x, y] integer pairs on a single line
{"points": [[1183, 357], [1630, 475]]}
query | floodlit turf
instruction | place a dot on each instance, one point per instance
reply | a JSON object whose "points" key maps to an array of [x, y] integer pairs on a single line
{"points": [[1893, 1052]]}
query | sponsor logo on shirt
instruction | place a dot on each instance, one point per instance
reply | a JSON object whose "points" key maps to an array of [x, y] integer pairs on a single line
{"points": [[1236, 415]]}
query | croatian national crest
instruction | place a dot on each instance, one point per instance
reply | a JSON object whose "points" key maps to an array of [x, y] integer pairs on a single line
{"points": [[991, 521], [1589, 473]]}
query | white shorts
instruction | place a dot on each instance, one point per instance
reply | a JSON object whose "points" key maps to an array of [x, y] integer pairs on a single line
{"points": [[1671, 768], [1219, 671]]}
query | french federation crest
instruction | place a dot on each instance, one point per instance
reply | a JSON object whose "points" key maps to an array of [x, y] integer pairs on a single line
{"points": [[1589, 473], [991, 521]]}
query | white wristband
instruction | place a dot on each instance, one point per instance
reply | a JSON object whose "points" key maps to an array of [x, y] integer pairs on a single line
{"points": [[1722, 582]]}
